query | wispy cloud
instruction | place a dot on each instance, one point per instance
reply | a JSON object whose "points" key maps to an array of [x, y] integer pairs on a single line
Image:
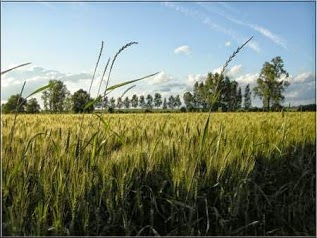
{"points": [[206, 20], [183, 49], [254, 46], [262, 30], [200, 16]]}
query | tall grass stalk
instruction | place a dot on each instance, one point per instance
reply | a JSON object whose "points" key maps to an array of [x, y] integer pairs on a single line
{"points": [[214, 100], [15, 115]]}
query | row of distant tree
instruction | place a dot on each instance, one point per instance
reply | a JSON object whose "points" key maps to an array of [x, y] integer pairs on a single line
{"points": [[146, 102], [217, 92], [59, 99]]}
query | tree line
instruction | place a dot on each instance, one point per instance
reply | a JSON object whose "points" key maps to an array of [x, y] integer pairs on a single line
{"points": [[59, 99], [145, 102], [228, 95], [217, 92]]}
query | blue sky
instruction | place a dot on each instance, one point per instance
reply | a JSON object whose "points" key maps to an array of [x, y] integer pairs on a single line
{"points": [[183, 41]]}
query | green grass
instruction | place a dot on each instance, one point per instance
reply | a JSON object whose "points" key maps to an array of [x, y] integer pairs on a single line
{"points": [[166, 174]]}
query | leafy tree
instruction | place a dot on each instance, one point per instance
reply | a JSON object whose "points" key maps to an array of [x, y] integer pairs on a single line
{"points": [[12, 104], [239, 99], [235, 96], [247, 98], [199, 95], [270, 87], [189, 101], [32, 106], [210, 93], [149, 101], [112, 103], [54, 98], [68, 105], [119, 102], [134, 101], [215, 92], [80, 100], [142, 102], [45, 97], [126, 102], [164, 104], [105, 102], [157, 100], [171, 102], [177, 101]]}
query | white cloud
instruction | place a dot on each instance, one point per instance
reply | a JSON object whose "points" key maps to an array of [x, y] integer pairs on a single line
{"points": [[193, 78], [217, 70], [228, 43], [232, 72], [160, 78], [182, 49], [37, 77], [303, 77], [248, 78]]}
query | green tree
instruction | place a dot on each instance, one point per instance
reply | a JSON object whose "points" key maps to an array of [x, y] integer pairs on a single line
{"points": [[270, 87], [239, 99], [112, 103], [105, 102], [216, 88], [142, 103], [189, 101], [119, 103], [177, 101], [157, 100], [68, 105], [247, 98], [32, 106], [164, 104], [149, 101], [134, 101], [54, 98], [11, 105], [80, 100], [234, 100], [126, 102], [171, 102]]}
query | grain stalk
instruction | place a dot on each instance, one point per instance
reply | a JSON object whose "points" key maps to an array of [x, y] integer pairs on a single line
{"points": [[214, 100], [83, 115]]}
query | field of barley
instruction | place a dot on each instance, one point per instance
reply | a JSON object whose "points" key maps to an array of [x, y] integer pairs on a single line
{"points": [[159, 174]]}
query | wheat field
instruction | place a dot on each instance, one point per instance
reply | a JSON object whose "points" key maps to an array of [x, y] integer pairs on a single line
{"points": [[159, 174]]}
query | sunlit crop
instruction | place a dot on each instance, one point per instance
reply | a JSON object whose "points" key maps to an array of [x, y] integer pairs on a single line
{"points": [[166, 174]]}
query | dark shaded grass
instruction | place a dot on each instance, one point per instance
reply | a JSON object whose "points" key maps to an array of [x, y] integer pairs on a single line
{"points": [[278, 198]]}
